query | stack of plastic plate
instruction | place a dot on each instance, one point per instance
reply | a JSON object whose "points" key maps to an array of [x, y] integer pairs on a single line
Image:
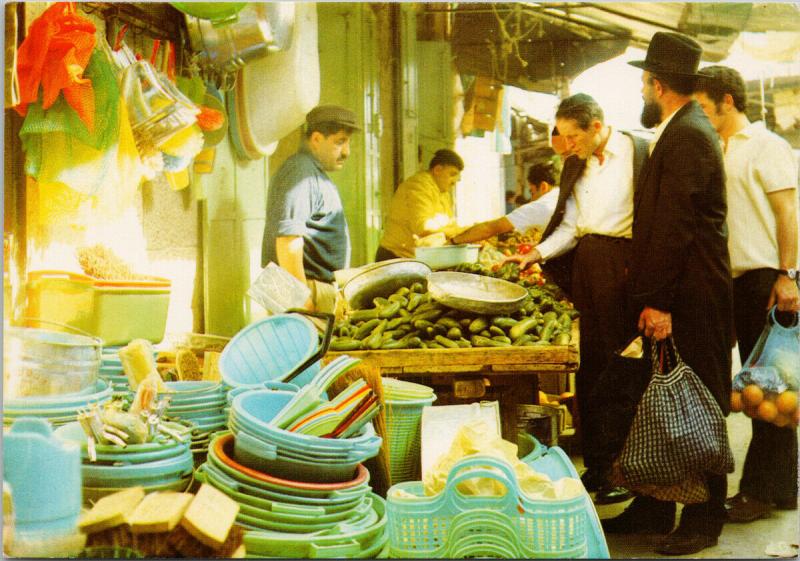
{"points": [[281, 453], [111, 371], [289, 518], [202, 404], [404, 402], [57, 409], [162, 465]]}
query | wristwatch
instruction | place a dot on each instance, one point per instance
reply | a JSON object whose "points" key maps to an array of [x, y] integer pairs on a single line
{"points": [[793, 274]]}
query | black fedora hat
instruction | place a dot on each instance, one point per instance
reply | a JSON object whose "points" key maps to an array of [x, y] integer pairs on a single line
{"points": [[671, 53]]}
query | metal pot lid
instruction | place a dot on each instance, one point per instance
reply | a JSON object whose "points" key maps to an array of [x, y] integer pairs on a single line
{"points": [[476, 293]]}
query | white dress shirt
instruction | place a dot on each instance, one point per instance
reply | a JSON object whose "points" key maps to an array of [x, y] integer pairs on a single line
{"points": [[535, 214], [601, 202]]}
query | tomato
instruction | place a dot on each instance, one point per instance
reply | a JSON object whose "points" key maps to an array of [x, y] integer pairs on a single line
{"points": [[524, 248]]}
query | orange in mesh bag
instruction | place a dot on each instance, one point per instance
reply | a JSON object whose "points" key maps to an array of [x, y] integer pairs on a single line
{"points": [[54, 54]]}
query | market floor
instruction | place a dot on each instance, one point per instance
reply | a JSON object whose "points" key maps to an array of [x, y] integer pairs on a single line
{"points": [[738, 541]]}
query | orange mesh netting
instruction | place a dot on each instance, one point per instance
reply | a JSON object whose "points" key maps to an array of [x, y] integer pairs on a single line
{"points": [[54, 55]]}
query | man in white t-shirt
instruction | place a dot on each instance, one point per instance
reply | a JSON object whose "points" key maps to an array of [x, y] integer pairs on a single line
{"points": [[761, 188], [534, 214]]}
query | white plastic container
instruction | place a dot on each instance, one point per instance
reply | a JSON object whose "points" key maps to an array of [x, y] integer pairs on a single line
{"points": [[276, 290]]}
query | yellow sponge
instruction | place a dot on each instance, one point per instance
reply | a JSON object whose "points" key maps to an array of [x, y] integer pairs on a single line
{"points": [[210, 516], [111, 510]]}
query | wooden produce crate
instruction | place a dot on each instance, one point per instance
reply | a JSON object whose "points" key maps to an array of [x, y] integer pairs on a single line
{"points": [[513, 371]]}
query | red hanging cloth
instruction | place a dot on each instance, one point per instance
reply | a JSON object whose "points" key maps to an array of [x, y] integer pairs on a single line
{"points": [[54, 55]]}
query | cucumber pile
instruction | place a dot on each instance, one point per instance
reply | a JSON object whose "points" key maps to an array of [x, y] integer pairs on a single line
{"points": [[411, 319]]}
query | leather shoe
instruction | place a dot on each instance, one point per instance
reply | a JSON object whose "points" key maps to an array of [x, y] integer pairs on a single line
{"points": [[786, 504], [679, 543], [744, 508], [610, 494], [633, 521], [593, 480]]}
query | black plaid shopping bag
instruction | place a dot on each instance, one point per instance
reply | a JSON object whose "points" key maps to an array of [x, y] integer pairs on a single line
{"points": [[679, 430]]}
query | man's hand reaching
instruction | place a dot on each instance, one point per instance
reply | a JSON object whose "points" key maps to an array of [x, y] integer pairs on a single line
{"points": [[524, 260]]}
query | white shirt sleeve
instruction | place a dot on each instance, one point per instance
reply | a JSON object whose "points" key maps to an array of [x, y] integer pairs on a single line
{"points": [[535, 214], [564, 237]]}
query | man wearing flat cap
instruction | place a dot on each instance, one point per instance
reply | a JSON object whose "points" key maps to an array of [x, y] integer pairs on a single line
{"points": [[306, 230], [680, 276]]}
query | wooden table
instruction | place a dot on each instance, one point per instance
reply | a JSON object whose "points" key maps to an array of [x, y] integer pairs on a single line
{"points": [[514, 371]]}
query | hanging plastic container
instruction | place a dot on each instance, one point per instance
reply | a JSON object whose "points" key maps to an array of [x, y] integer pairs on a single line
{"points": [[44, 473]]}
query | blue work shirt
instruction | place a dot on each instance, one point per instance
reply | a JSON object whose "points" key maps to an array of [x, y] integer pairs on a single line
{"points": [[303, 201]]}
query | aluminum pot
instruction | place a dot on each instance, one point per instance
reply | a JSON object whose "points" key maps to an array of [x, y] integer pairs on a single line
{"points": [[261, 28], [382, 279]]}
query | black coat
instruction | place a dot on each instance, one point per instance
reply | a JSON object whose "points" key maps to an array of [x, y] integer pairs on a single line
{"points": [[679, 259], [559, 269]]}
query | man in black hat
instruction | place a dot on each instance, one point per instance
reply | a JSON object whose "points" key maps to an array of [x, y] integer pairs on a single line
{"points": [[306, 230], [680, 278]]}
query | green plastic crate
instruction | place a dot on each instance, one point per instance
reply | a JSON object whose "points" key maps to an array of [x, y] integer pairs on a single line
{"points": [[115, 311]]}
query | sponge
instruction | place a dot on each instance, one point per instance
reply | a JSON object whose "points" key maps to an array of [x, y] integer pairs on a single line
{"points": [[210, 516], [111, 510]]}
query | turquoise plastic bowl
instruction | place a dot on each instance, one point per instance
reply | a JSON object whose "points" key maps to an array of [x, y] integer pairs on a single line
{"points": [[220, 453], [148, 473], [59, 403], [269, 450], [270, 349], [341, 541], [253, 410], [214, 471]]}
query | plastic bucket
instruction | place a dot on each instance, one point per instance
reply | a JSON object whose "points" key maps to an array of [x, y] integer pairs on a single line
{"points": [[41, 362]]}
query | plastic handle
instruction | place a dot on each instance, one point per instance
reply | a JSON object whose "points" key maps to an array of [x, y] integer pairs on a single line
{"points": [[461, 472], [345, 549], [323, 348], [264, 449], [775, 323], [286, 508]]}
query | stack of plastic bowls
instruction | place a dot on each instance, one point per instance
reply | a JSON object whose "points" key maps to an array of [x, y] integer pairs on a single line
{"points": [[57, 409], [201, 403], [281, 453], [404, 402], [162, 465], [295, 519]]}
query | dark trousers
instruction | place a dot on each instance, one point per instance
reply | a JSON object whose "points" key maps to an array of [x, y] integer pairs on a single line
{"points": [[600, 295], [770, 467], [383, 254]]}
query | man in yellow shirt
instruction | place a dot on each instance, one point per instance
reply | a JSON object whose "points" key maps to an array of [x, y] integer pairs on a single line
{"points": [[422, 205]]}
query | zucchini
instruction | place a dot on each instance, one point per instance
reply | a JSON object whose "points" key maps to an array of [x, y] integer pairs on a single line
{"points": [[380, 301], [345, 344], [522, 327], [547, 330], [389, 310], [363, 315], [502, 339], [414, 300], [562, 339], [365, 329], [399, 298], [376, 337], [417, 287], [449, 323], [454, 333], [522, 340], [402, 291], [422, 324], [478, 324], [398, 321], [463, 343], [504, 322], [445, 342], [478, 341], [494, 330]]}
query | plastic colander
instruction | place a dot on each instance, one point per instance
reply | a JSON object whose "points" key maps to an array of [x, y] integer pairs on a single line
{"points": [[280, 348]]}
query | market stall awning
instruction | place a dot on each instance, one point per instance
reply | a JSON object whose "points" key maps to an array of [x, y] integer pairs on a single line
{"points": [[538, 46]]}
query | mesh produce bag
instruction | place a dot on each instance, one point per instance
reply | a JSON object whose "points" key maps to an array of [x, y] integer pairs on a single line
{"points": [[774, 362]]}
